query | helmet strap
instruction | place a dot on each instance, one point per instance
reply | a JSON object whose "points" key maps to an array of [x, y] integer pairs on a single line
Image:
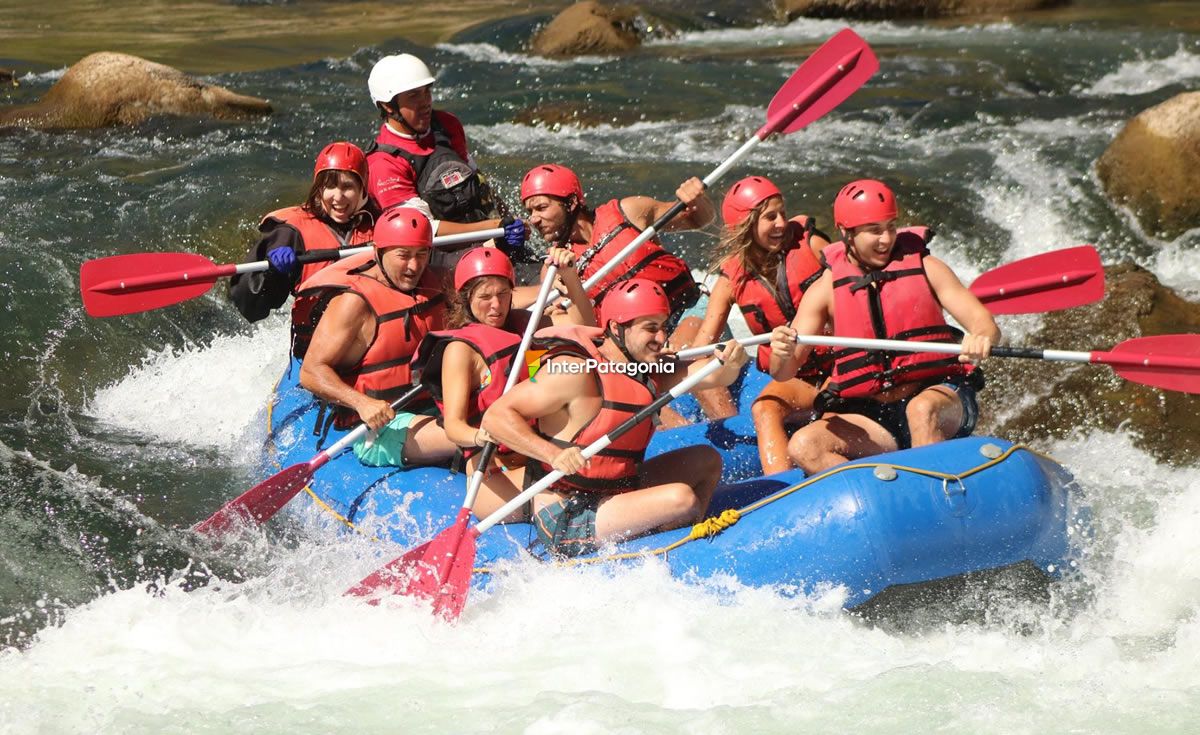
{"points": [[619, 340], [383, 270]]}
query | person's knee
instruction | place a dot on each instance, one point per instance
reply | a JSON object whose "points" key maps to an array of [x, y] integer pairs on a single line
{"points": [[685, 503], [805, 450], [924, 415], [766, 410]]}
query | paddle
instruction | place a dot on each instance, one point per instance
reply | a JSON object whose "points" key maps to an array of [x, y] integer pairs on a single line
{"points": [[1059, 279], [1169, 361], [454, 535], [834, 72], [128, 284], [417, 573], [264, 500]]}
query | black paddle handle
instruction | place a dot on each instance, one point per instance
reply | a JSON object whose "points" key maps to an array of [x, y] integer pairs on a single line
{"points": [[1026, 352], [320, 256], [670, 214]]}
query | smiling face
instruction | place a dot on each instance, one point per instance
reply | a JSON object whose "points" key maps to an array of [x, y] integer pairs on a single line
{"points": [[490, 300], [644, 336], [341, 196], [769, 230], [871, 244], [548, 215]]}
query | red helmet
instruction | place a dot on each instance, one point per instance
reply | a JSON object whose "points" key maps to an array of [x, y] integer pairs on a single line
{"points": [[553, 180], [634, 298], [862, 202], [483, 262], [403, 227], [342, 156], [744, 197]]}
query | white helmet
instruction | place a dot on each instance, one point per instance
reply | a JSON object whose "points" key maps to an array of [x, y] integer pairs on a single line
{"points": [[392, 75]]}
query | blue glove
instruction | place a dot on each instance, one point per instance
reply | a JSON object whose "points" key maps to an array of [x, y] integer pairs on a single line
{"points": [[282, 260], [515, 235]]}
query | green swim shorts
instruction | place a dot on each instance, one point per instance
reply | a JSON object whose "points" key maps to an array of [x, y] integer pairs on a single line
{"points": [[385, 447]]}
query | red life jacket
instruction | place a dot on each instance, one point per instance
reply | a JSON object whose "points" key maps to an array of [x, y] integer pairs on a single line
{"points": [[765, 306], [401, 321], [316, 234], [614, 468], [611, 232], [895, 302], [497, 347]]}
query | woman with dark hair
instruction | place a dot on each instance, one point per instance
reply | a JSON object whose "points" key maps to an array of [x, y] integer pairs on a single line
{"points": [[334, 215], [467, 366]]}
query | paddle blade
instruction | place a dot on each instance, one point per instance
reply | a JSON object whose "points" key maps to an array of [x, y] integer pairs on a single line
{"points": [[1060, 279], [128, 284], [259, 503], [1168, 361], [438, 571], [819, 85]]}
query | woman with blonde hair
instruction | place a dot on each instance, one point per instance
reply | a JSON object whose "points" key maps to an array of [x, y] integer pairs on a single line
{"points": [[764, 262]]}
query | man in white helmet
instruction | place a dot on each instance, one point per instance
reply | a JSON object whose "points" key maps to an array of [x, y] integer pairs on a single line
{"points": [[422, 153]]}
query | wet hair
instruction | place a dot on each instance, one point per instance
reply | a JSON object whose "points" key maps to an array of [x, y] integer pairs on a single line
{"points": [[460, 302], [326, 180]]}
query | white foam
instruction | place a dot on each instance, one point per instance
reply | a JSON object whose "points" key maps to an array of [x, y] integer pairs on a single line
{"points": [[204, 396], [1148, 75], [491, 54], [814, 30]]}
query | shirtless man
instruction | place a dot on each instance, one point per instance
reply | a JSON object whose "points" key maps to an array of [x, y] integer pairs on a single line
{"points": [[590, 381]]}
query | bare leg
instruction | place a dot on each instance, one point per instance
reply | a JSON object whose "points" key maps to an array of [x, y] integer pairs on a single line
{"points": [[499, 487], [717, 403], [770, 410], [669, 418], [427, 443], [676, 489], [838, 438], [934, 415]]}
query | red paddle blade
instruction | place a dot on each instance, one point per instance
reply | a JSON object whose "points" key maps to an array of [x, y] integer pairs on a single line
{"points": [[833, 73], [128, 284], [1169, 361], [1060, 279], [438, 571], [259, 503]]}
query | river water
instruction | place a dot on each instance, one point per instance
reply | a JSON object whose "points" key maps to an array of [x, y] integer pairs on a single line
{"points": [[116, 434]]}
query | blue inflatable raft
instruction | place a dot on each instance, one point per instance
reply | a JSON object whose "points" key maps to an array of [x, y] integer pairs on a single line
{"points": [[913, 516]]}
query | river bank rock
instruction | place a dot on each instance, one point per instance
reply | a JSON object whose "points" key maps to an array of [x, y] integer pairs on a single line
{"points": [[105, 89], [883, 9], [1153, 166], [589, 28], [1033, 400]]}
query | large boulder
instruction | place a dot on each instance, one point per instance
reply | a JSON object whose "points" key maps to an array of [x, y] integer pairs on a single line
{"points": [[878, 9], [589, 28], [1031, 400], [1153, 166], [106, 88]]}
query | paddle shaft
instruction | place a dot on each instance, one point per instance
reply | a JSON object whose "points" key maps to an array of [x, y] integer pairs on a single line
{"points": [[1115, 359], [210, 273], [595, 447], [775, 123]]}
